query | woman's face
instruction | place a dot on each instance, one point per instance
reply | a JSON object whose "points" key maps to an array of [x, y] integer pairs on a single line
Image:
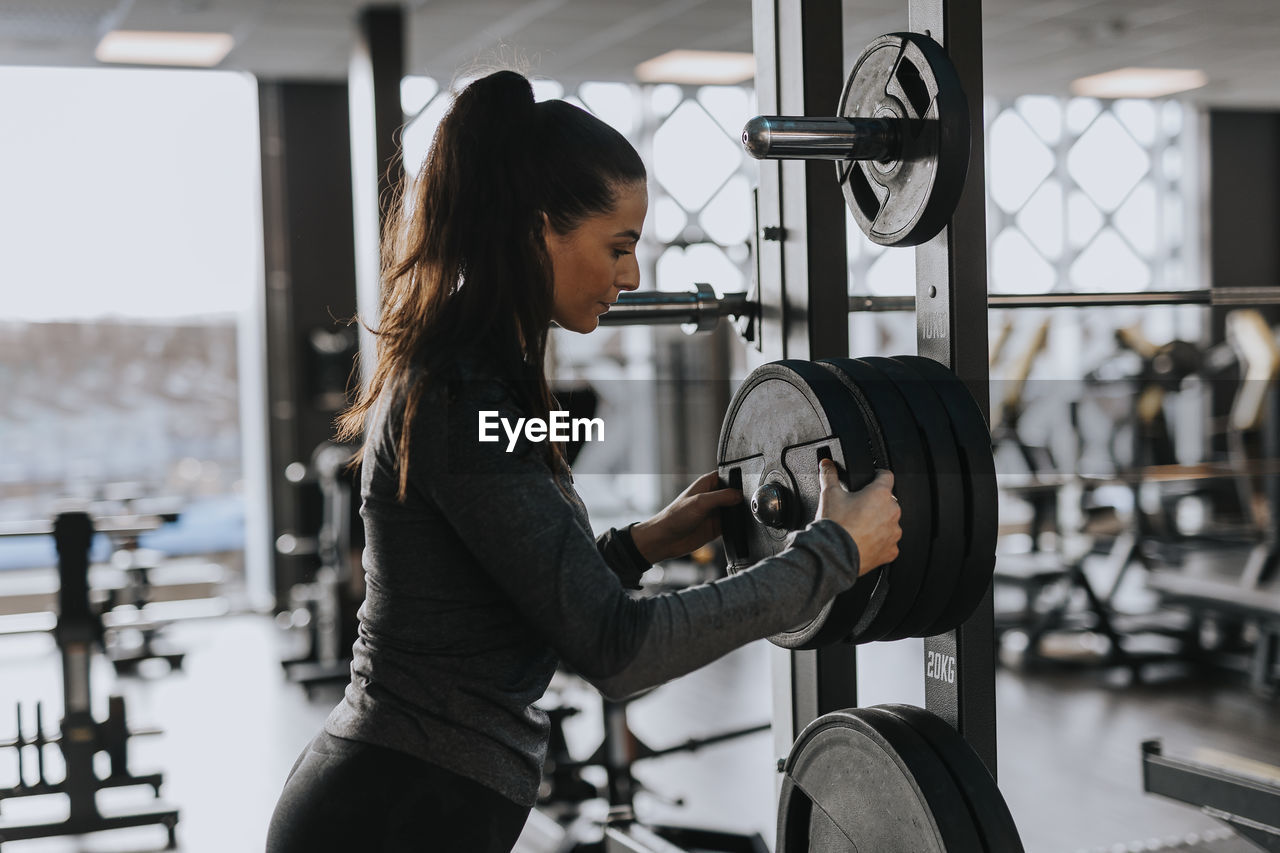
{"points": [[596, 261]]}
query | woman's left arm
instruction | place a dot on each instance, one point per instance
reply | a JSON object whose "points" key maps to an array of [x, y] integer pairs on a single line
{"points": [[687, 523]]}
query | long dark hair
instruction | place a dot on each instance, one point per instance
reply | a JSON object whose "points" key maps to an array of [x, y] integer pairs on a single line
{"points": [[464, 261]]}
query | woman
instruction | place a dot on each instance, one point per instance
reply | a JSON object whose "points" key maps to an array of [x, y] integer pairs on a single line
{"points": [[481, 570]]}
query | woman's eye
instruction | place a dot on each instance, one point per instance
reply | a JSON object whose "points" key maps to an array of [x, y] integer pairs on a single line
{"points": [[618, 253]]}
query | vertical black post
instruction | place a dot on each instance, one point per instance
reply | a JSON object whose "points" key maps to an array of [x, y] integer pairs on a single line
{"points": [[1271, 485], [803, 280], [310, 281], [804, 268], [77, 633], [72, 537], [376, 69], [618, 751], [381, 45], [951, 323], [1241, 249]]}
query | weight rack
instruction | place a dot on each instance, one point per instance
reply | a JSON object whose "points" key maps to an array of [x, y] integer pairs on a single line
{"points": [[804, 314], [82, 737], [801, 309]]}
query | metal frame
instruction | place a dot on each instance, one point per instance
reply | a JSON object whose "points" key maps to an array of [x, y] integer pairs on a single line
{"points": [[802, 282], [1249, 806], [804, 308], [951, 327]]}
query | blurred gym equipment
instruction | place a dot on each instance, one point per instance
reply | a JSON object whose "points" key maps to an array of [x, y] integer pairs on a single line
{"points": [[81, 737]]}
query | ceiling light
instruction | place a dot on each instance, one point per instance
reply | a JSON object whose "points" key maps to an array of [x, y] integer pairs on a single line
{"points": [[1139, 83], [698, 67], [145, 47]]}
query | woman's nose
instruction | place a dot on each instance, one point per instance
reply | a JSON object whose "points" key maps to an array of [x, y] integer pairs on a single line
{"points": [[629, 278]]}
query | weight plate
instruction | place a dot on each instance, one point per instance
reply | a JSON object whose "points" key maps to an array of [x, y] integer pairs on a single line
{"points": [[977, 470], [907, 79], [782, 420], [861, 779], [903, 454], [946, 494], [986, 804]]}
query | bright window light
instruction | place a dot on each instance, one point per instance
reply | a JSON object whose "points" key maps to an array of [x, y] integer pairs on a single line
{"points": [[142, 47], [698, 67], [167, 196], [1139, 83]]}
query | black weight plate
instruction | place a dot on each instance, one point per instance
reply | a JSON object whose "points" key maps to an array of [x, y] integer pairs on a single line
{"points": [[907, 79], [784, 417], [977, 468], [990, 812], [947, 491], [863, 780], [905, 457]]}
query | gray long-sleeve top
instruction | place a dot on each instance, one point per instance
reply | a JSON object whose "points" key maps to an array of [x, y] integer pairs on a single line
{"points": [[487, 575]]}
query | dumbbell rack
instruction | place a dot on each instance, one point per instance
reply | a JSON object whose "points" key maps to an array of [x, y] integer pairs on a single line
{"points": [[79, 635]]}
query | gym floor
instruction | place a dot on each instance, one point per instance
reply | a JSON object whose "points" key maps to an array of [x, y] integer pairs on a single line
{"points": [[1069, 743]]}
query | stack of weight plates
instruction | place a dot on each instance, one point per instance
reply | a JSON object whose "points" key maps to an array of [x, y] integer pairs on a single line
{"points": [[889, 779], [908, 414]]}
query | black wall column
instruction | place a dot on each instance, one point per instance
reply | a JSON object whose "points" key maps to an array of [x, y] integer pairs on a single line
{"points": [[1243, 213], [1243, 216], [1244, 199], [377, 67], [310, 279]]}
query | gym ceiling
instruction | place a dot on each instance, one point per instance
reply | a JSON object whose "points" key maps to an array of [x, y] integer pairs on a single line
{"points": [[1031, 46]]}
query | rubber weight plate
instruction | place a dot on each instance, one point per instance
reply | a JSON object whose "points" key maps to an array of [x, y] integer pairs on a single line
{"points": [[977, 471], [946, 491], [784, 418], [862, 780], [907, 79], [887, 414], [990, 813]]}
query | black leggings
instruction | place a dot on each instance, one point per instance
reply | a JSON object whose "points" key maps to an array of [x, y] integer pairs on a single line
{"points": [[344, 796]]}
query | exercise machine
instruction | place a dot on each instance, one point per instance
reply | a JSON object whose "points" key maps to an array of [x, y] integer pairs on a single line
{"points": [[323, 610]]}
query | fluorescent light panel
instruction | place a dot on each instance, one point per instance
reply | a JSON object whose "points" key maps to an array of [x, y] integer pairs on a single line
{"points": [[147, 47], [709, 67], [1139, 83]]}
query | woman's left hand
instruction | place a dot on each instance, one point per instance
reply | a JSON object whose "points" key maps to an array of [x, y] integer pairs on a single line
{"points": [[688, 522]]}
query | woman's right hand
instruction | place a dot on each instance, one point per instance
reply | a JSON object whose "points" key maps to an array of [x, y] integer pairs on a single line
{"points": [[870, 514]]}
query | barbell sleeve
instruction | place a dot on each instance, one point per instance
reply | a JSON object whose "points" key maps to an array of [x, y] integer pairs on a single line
{"points": [[814, 138], [699, 308]]}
